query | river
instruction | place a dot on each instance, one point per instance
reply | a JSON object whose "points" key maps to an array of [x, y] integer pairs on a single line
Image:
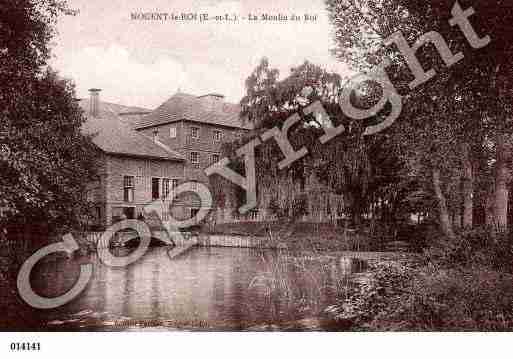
{"points": [[203, 289]]}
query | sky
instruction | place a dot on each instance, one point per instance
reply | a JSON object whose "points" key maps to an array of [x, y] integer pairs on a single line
{"points": [[144, 62]]}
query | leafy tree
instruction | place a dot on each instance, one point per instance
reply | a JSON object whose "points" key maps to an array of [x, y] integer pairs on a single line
{"points": [[448, 123], [356, 167], [45, 161]]}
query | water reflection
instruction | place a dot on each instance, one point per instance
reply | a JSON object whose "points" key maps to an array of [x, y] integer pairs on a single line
{"points": [[206, 288]]}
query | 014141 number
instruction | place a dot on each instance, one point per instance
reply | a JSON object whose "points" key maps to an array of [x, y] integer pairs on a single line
{"points": [[22, 347]]}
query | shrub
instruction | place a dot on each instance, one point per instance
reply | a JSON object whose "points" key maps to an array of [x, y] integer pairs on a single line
{"points": [[427, 298], [377, 295], [458, 299], [475, 247]]}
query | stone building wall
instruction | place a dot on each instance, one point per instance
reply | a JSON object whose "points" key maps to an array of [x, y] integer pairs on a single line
{"points": [[143, 170]]}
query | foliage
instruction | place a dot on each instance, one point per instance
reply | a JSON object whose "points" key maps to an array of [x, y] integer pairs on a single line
{"points": [[377, 294], [474, 247], [296, 208], [430, 299], [366, 171], [26, 28], [45, 161], [456, 285], [474, 298], [468, 105]]}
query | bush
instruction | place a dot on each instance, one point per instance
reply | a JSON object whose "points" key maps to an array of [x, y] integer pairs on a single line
{"points": [[463, 284], [460, 299], [475, 247], [376, 296], [403, 297]]}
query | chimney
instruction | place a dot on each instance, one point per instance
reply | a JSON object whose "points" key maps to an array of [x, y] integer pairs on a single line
{"points": [[212, 100], [94, 106]]}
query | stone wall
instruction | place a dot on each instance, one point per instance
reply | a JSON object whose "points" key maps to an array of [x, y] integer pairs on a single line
{"points": [[143, 170]]}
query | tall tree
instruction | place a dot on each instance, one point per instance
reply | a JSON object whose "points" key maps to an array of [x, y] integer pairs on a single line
{"points": [[467, 105], [45, 161], [356, 167]]}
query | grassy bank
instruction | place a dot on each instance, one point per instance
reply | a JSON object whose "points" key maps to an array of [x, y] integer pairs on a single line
{"points": [[462, 285], [306, 235]]}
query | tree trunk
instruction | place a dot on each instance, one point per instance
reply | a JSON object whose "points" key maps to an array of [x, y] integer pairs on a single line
{"points": [[468, 188], [445, 222], [355, 209], [500, 208], [356, 213]]}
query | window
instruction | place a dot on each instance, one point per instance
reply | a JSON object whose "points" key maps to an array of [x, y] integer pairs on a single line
{"points": [[218, 135], [195, 158], [174, 184], [168, 186], [155, 135], [155, 188], [195, 133], [117, 213], [215, 158], [172, 132], [129, 212], [165, 187], [128, 188]]}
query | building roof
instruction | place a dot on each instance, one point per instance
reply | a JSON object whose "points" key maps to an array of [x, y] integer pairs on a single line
{"points": [[108, 110], [114, 136], [182, 106]]}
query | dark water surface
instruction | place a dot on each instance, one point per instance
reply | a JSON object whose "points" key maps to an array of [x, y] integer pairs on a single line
{"points": [[203, 289]]}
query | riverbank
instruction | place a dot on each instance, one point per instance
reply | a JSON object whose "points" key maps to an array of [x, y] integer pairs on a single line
{"points": [[459, 285], [322, 237], [305, 235]]}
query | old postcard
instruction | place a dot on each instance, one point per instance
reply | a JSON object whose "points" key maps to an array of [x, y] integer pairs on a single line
{"points": [[242, 166]]}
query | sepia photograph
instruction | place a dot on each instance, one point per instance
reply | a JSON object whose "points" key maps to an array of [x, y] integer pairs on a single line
{"points": [[236, 167]]}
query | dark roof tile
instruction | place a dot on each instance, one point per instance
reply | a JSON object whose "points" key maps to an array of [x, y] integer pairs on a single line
{"points": [[113, 110], [113, 135], [182, 106]]}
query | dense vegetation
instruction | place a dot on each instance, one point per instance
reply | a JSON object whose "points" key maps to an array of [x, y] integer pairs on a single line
{"points": [[45, 161], [456, 129], [446, 160]]}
